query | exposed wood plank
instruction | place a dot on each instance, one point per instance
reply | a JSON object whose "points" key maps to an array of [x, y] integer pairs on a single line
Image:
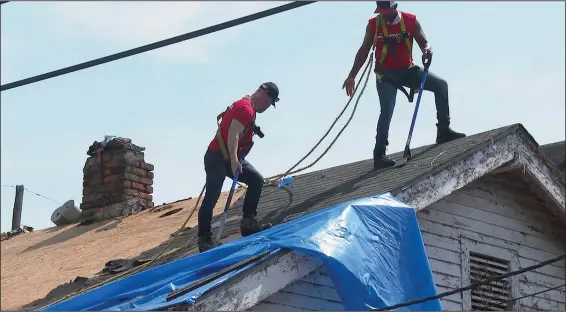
{"points": [[448, 305], [427, 190], [304, 302], [457, 298], [467, 211], [479, 227], [449, 237], [549, 270], [445, 267], [445, 280], [557, 295], [318, 277], [439, 253], [259, 282], [532, 303], [431, 236], [540, 218], [312, 290]]}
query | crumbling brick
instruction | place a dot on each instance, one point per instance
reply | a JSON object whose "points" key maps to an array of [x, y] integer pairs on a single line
{"points": [[119, 184]]}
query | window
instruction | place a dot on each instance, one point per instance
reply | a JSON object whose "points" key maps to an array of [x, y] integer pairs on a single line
{"points": [[491, 296]]}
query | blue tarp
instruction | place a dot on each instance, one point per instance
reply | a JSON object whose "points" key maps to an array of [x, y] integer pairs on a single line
{"points": [[372, 249]]}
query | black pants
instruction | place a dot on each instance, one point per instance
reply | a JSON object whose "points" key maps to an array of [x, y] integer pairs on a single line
{"points": [[411, 78], [216, 171]]}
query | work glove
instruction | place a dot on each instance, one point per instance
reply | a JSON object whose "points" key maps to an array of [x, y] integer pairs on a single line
{"points": [[427, 57]]}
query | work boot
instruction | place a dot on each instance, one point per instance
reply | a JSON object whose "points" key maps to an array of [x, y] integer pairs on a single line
{"points": [[205, 243], [249, 226], [445, 134], [380, 160]]}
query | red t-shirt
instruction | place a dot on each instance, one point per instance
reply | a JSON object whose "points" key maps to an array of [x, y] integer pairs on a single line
{"points": [[404, 56], [244, 112]]}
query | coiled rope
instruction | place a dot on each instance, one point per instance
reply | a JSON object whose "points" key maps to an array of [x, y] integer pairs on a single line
{"points": [[162, 254]]}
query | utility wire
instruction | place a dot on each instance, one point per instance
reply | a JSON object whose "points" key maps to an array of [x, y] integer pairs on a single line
{"points": [[4, 185], [474, 285], [42, 196], [529, 295], [156, 45]]}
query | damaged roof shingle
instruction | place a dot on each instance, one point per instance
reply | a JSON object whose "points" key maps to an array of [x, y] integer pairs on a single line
{"points": [[324, 188]]}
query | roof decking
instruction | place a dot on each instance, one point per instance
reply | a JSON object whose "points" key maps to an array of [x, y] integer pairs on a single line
{"points": [[324, 188]]}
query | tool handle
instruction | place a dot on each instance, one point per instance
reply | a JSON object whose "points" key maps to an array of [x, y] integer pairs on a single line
{"points": [[228, 201], [427, 59]]}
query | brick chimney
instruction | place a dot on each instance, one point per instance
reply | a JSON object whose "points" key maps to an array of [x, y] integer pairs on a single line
{"points": [[117, 181]]}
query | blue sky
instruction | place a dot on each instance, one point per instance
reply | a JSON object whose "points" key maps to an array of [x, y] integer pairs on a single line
{"points": [[500, 70]]}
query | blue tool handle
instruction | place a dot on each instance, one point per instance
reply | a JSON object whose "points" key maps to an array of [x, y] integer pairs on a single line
{"points": [[228, 201]]}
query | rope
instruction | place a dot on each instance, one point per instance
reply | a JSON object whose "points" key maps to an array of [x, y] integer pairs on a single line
{"points": [[369, 64], [162, 254], [156, 45], [474, 285]]}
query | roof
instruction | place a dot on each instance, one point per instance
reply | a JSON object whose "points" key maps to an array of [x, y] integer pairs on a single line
{"points": [[480, 154], [556, 152], [33, 260]]}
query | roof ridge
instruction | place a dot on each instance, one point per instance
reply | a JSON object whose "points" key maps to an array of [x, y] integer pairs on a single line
{"points": [[515, 126]]}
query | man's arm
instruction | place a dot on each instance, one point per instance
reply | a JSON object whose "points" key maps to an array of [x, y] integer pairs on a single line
{"points": [[363, 52], [420, 37], [234, 132]]}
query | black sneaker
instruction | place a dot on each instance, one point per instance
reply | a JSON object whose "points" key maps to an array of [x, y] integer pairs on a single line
{"points": [[249, 226], [445, 134], [380, 160], [205, 243]]}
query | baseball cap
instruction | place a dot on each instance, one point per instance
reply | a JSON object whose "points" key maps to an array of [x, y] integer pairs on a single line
{"points": [[383, 6], [272, 91]]}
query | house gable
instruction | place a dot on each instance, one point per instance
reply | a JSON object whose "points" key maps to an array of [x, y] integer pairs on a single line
{"points": [[506, 149], [434, 172], [513, 149]]}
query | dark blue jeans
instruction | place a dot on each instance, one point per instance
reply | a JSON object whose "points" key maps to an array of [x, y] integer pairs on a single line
{"points": [[216, 172], [411, 78]]}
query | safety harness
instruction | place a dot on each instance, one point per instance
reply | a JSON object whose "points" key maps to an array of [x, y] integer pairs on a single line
{"points": [[386, 41], [241, 145]]}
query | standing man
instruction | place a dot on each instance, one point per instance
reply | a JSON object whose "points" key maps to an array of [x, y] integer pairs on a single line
{"points": [[392, 32], [232, 142]]}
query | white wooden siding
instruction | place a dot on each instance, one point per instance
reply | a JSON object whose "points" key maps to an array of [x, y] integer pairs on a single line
{"points": [[493, 215], [315, 291], [502, 218]]}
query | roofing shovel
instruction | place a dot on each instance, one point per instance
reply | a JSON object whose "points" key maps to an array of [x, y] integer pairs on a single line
{"points": [[228, 201], [407, 152]]}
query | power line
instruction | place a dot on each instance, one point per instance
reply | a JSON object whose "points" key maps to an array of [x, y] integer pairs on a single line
{"points": [[42, 196], [530, 295], [156, 45], [474, 285]]}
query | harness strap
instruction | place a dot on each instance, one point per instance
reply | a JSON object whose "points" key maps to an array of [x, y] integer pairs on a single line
{"points": [[223, 146], [379, 21]]}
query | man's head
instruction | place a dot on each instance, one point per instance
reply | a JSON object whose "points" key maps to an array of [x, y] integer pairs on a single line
{"points": [[267, 94], [387, 9]]}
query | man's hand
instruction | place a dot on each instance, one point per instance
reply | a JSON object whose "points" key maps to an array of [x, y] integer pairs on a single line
{"points": [[427, 52], [236, 166], [349, 84]]}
